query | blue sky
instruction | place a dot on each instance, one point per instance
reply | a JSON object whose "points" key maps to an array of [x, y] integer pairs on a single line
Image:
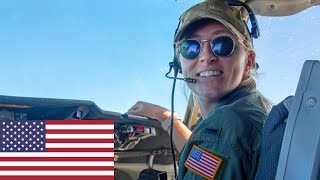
{"points": [[115, 53]]}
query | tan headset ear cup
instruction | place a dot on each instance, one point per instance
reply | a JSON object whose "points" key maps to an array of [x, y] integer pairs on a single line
{"points": [[179, 65], [176, 61], [176, 58]]}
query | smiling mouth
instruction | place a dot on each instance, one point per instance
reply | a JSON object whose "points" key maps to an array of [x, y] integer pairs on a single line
{"points": [[209, 73]]}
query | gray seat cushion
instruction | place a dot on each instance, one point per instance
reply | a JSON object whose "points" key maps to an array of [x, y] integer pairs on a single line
{"points": [[273, 132]]}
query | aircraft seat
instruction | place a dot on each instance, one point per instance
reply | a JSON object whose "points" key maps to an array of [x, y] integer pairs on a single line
{"points": [[290, 147]]}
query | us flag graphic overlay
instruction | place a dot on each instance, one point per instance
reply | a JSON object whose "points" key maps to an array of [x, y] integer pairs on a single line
{"points": [[203, 163], [56, 149]]}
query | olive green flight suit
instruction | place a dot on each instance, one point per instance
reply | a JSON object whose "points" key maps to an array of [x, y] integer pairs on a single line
{"points": [[233, 132]]}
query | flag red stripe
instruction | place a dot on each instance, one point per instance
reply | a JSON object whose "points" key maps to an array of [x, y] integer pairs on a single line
{"points": [[79, 140], [79, 150], [197, 169], [56, 159], [80, 131], [208, 170], [92, 122], [209, 162], [212, 156], [56, 168], [57, 177]]}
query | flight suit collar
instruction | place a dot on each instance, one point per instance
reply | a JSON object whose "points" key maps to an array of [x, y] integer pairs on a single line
{"points": [[241, 91]]}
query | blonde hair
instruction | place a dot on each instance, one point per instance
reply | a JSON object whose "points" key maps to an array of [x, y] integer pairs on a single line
{"points": [[248, 79]]}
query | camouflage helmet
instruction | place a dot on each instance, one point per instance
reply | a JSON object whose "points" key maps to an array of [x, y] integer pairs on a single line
{"points": [[218, 10]]}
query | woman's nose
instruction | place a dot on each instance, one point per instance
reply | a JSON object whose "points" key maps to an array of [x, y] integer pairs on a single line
{"points": [[206, 54]]}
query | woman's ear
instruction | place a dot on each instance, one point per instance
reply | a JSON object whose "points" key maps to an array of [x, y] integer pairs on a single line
{"points": [[251, 60]]}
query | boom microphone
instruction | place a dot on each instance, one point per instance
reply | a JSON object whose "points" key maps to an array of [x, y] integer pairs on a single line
{"points": [[190, 80], [176, 69]]}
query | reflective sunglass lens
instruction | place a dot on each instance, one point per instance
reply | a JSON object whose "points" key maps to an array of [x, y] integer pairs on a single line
{"points": [[190, 49], [222, 46]]}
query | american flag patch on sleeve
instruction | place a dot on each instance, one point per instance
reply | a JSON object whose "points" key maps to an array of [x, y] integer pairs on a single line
{"points": [[203, 163]]}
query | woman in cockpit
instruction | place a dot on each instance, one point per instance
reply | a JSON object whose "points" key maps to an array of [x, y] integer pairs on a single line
{"points": [[214, 47]]}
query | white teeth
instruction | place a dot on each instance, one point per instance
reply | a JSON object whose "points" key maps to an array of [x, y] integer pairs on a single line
{"points": [[210, 73]]}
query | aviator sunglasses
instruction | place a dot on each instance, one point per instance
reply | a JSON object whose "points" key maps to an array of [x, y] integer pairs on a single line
{"points": [[221, 46]]}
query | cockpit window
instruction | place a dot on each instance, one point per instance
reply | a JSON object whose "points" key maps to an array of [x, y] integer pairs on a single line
{"points": [[117, 52]]}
